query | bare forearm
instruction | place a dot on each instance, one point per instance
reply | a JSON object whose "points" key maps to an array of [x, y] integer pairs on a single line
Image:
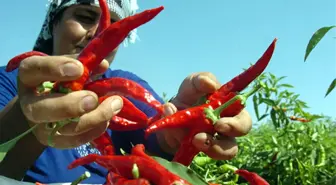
{"points": [[20, 158]]}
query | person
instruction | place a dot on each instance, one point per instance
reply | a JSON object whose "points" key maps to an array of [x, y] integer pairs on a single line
{"points": [[68, 27]]}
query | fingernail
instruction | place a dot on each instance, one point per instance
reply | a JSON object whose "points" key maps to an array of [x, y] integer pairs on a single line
{"points": [[70, 69], [89, 103], [116, 105], [168, 110]]}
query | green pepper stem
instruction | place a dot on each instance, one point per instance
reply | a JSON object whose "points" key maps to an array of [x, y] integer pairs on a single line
{"points": [[81, 178], [59, 125], [242, 97], [214, 115], [135, 171]]}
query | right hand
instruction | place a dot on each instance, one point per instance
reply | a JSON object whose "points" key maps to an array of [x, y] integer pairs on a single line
{"points": [[93, 117]]}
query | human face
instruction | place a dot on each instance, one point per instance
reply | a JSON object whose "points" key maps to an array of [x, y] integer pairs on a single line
{"points": [[76, 28]]}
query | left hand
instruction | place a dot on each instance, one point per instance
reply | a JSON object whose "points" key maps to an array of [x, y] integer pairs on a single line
{"points": [[220, 148]]}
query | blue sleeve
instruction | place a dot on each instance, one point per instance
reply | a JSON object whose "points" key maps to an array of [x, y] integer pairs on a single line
{"points": [[126, 139], [8, 86]]}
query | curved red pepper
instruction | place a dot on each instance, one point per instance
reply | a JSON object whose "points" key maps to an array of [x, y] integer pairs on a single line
{"points": [[124, 87], [129, 111], [241, 81], [104, 144], [100, 46], [123, 165], [105, 17], [14, 63], [251, 177], [121, 124]]}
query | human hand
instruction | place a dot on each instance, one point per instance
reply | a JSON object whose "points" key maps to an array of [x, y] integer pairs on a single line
{"points": [[53, 107], [223, 147]]}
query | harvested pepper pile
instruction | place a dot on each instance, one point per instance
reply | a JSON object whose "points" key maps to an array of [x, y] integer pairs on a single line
{"points": [[138, 167]]}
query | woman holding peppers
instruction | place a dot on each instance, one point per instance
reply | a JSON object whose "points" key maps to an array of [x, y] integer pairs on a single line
{"points": [[68, 27]]}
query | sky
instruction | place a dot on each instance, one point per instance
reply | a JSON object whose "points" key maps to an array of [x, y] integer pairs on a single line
{"points": [[220, 37]]}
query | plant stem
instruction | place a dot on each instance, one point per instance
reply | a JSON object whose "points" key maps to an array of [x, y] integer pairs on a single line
{"points": [[242, 97], [81, 178], [214, 115], [135, 171]]}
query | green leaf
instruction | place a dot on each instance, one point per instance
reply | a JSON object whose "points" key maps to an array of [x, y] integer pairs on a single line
{"points": [[285, 85], [181, 171], [280, 78], [331, 87], [274, 119], [275, 141], [2, 155], [262, 117], [5, 147], [255, 105], [268, 101], [315, 39]]}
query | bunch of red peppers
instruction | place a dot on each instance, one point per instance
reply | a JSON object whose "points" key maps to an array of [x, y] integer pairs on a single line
{"points": [[137, 167]]}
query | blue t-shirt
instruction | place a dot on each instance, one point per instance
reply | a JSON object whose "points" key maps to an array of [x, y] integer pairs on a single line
{"points": [[51, 166]]}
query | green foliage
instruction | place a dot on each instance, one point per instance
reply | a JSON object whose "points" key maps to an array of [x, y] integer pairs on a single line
{"points": [[314, 40], [278, 102]]}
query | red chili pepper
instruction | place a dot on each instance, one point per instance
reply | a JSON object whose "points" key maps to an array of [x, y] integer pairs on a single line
{"points": [[105, 17], [198, 119], [116, 179], [124, 87], [129, 111], [104, 144], [302, 120], [241, 81], [121, 124], [14, 63], [100, 46], [123, 165], [251, 177]]}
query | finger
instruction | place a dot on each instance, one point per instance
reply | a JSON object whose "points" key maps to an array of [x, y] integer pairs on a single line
{"points": [[37, 69], [56, 107], [223, 148], [204, 82], [104, 113], [196, 86], [236, 126], [107, 109], [102, 67]]}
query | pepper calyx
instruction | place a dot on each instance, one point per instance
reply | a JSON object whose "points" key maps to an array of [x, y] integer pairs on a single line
{"points": [[135, 171]]}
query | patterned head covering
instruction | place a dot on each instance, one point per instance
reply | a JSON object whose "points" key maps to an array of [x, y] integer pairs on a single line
{"points": [[122, 8]]}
